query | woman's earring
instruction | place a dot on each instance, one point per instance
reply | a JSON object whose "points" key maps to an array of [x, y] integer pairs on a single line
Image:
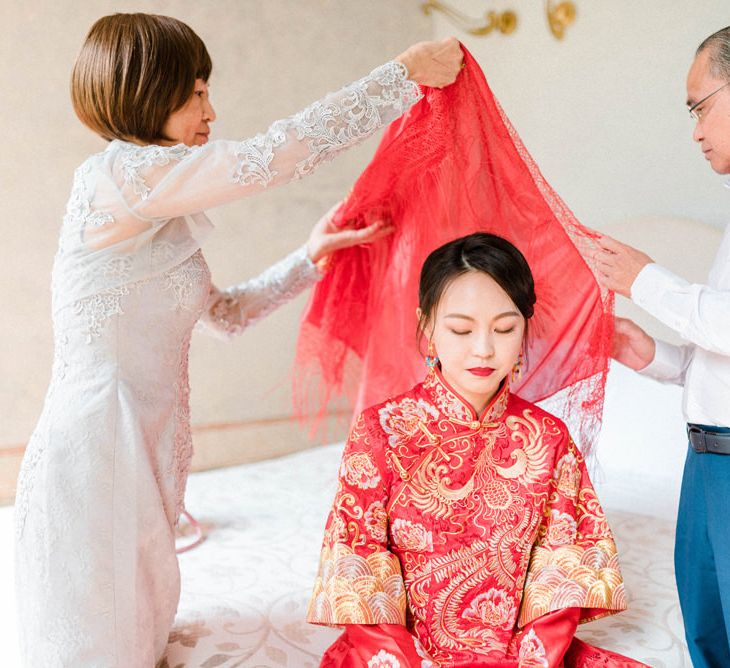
{"points": [[431, 359], [517, 368]]}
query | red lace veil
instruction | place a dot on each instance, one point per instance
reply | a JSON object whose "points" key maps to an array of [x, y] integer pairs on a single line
{"points": [[451, 166]]}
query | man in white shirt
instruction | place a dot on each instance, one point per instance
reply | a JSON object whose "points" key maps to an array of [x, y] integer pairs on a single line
{"points": [[701, 315]]}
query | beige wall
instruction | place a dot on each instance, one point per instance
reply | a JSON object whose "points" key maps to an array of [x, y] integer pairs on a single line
{"points": [[603, 111], [270, 59]]}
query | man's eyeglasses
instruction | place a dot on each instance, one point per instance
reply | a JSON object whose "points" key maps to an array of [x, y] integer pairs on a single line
{"points": [[696, 113]]}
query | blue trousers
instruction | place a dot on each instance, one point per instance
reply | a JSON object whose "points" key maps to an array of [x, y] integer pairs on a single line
{"points": [[702, 557]]}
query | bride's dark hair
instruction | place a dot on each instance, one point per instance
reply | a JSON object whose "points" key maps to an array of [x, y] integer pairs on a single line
{"points": [[483, 252]]}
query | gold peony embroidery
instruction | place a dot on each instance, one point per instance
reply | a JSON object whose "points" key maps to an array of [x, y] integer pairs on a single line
{"points": [[532, 651], [494, 608], [383, 660], [401, 419], [409, 535], [359, 470]]}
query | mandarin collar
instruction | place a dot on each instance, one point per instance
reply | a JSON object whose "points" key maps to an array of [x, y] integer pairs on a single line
{"points": [[455, 407]]}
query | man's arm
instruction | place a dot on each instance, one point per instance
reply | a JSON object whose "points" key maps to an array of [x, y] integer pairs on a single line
{"points": [[698, 313]]}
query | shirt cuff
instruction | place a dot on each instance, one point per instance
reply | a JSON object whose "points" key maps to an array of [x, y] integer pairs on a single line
{"points": [[651, 290], [644, 284], [667, 364]]}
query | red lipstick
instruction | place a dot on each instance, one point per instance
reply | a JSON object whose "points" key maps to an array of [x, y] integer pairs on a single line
{"points": [[481, 371]]}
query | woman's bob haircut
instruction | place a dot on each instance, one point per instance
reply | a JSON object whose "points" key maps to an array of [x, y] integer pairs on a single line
{"points": [[133, 71]]}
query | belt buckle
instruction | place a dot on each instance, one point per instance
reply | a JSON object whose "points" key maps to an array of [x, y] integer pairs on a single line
{"points": [[697, 438]]}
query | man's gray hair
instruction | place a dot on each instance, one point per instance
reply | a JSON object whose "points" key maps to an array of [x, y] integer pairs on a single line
{"points": [[719, 45]]}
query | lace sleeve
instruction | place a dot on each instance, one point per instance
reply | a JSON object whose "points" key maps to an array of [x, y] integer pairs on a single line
{"points": [[230, 311], [165, 182]]}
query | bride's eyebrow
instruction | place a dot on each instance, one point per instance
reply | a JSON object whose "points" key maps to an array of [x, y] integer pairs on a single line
{"points": [[468, 317]]}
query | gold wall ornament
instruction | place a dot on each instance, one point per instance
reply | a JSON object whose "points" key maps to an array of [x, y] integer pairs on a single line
{"points": [[504, 22], [560, 16]]}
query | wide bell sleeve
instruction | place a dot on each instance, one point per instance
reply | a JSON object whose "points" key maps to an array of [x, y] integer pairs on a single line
{"points": [[228, 312], [160, 182], [573, 563], [359, 579]]}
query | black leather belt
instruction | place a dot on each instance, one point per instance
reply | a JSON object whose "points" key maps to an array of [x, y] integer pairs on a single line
{"points": [[703, 440]]}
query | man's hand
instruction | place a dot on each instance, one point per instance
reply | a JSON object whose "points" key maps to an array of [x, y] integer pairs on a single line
{"points": [[325, 238], [632, 346], [618, 265]]}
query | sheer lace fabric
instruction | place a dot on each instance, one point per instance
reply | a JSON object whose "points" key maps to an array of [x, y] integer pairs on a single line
{"points": [[103, 479], [230, 311]]}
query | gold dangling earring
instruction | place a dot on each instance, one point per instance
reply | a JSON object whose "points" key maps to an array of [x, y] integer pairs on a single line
{"points": [[517, 369], [431, 359]]}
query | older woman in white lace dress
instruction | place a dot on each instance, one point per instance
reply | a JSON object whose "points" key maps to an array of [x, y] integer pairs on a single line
{"points": [[103, 478]]}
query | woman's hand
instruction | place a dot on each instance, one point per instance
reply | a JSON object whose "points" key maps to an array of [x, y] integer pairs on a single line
{"points": [[325, 238], [632, 346], [433, 64]]}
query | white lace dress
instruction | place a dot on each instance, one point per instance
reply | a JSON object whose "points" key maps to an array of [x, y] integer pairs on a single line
{"points": [[104, 474]]}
